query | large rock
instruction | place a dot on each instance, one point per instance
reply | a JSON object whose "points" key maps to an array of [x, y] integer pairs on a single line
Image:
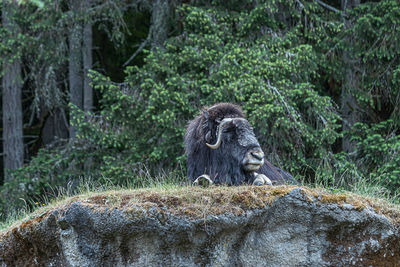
{"points": [[259, 227]]}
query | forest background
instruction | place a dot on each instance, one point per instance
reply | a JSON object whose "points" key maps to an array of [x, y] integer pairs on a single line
{"points": [[101, 90]]}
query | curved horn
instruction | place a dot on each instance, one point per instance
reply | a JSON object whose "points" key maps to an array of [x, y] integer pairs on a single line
{"points": [[224, 123]]}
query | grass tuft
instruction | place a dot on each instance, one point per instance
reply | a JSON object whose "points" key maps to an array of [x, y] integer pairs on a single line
{"points": [[87, 187]]}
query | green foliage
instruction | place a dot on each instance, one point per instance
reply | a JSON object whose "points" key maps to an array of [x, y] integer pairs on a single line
{"points": [[374, 41], [39, 41], [50, 169], [378, 151], [40, 44]]}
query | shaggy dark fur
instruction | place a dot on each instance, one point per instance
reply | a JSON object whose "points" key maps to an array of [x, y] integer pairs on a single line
{"points": [[224, 165]]}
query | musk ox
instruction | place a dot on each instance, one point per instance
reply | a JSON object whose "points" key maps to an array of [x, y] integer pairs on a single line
{"points": [[222, 148]]}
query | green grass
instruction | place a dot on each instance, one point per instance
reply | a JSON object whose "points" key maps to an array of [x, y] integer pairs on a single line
{"points": [[354, 182], [88, 186]]}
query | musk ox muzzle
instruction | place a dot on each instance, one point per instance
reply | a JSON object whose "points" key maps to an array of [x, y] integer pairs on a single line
{"points": [[253, 160]]}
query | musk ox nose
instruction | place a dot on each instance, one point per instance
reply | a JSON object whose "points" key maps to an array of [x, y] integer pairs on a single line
{"points": [[258, 154], [253, 160]]}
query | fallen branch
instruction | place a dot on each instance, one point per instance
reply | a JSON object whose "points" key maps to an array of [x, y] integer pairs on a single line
{"points": [[331, 8], [291, 111], [300, 5], [137, 51]]}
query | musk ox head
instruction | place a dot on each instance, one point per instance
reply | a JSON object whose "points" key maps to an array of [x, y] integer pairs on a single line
{"points": [[221, 143]]}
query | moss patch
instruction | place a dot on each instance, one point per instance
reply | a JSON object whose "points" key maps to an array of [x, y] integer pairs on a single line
{"points": [[193, 202]]}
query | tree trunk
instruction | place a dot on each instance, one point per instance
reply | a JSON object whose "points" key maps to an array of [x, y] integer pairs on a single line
{"points": [[75, 62], [349, 106], [87, 65], [54, 127], [159, 22], [87, 62], [13, 146]]}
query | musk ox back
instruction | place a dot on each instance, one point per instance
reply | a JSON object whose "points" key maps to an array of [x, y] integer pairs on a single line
{"points": [[221, 143]]}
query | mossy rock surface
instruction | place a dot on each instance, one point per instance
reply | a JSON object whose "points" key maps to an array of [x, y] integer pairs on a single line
{"points": [[191, 226]]}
